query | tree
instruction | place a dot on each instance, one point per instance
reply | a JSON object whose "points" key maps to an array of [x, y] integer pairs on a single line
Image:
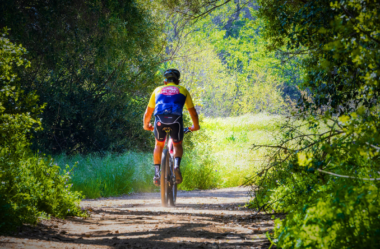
{"points": [[95, 62], [342, 40], [323, 171], [30, 185], [223, 57]]}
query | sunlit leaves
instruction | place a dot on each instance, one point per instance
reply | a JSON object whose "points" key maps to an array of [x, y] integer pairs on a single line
{"points": [[328, 184]]}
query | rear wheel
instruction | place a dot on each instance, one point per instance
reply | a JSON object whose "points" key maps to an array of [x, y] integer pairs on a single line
{"points": [[173, 185], [165, 176]]}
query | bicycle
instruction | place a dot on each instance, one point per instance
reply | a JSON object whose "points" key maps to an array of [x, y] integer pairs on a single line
{"points": [[168, 182]]}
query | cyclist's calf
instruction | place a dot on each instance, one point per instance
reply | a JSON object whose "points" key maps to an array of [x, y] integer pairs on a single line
{"points": [[178, 149], [158, 152]]}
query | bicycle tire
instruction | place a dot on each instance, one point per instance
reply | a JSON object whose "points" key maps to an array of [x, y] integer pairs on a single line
{"points": [[164, 177], [173, 186]]}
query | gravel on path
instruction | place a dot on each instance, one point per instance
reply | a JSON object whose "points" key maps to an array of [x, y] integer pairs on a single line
{"points": [[201, 219]]}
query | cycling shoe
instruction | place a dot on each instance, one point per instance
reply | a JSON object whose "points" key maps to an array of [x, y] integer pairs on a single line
{"points": [[157, 180], [178, 175]]}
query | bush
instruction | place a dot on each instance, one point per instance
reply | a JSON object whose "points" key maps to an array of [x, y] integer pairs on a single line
{"points": [[199, 170], [30, 185], [341, 215], [324, 170], [326, 177]]}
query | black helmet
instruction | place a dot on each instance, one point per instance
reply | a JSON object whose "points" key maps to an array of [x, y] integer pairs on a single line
{"points": [[173, 74]]}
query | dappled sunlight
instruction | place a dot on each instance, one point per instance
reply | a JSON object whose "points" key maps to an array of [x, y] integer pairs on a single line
{"points": [[201, 219]]}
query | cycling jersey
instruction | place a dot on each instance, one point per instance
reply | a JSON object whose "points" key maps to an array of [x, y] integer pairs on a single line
{"points": [[170, 99]]}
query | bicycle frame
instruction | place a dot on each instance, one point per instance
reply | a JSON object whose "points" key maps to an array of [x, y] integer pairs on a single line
{"points": [[170, 146], [168, 181]]}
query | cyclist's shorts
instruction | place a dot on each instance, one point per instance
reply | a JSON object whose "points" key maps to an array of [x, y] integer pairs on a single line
{"points": [[171, 123]]}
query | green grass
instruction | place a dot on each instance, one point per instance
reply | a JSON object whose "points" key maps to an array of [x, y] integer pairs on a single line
{"points": [[111, 175], [222, 150], [217, 156]]}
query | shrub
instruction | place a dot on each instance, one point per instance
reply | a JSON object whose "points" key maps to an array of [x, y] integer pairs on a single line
{"points": [[29, 184], [341, 215], [326, 177], [199, 167]]}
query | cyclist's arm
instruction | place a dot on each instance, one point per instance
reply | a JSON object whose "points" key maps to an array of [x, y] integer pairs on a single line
{"points": [[194, 117], [147, 116], [148, 113], [193, 113]]}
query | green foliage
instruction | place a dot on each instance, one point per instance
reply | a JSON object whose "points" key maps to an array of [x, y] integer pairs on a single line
{"points": [[323, 170], [225, 64], [199, 167], [324, 173], [221, 154], [29, 184], [342, 40], [110, 175], [340, 215], [94, 64]]}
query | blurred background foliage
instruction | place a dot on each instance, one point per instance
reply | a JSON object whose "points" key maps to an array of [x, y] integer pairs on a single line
{"points": [[225, 64]]}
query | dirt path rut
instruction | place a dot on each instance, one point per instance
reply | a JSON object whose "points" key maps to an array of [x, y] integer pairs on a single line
{"points": [[201, 219]]}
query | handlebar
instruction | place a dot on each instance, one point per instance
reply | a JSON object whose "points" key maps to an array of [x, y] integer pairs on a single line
{"points": [[186, 130]]}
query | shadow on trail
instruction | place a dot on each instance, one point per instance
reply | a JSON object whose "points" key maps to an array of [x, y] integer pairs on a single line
{"points": [[178, 235]]}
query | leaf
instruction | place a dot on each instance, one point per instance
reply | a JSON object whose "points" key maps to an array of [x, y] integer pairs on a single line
{"points": [[344, 118]]}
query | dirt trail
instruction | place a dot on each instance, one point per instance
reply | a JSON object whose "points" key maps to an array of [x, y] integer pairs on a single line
{"points": [[201, 219]]}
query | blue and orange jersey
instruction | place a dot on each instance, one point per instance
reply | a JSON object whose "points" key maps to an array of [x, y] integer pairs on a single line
{"points": [[170, 99]]}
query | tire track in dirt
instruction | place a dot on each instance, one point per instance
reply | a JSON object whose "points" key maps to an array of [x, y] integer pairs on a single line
{"points": [[201, 219]]}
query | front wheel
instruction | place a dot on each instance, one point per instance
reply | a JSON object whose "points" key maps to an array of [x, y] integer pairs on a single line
{"points": [[173, 185], [165, 176]]}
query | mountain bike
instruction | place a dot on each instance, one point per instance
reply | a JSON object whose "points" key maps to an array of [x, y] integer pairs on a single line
{"points": [[168, 182]]}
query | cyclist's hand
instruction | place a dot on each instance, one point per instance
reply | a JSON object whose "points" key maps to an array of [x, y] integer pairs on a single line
{"points": [[194, 128], [149, 127]]}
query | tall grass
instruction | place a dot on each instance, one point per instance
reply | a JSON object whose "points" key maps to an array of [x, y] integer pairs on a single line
{"points": [[222, 156], [217, 156], [111, 175]]}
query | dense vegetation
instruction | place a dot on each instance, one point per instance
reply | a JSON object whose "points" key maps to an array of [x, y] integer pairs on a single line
{"points": [[93, 64], [76, 82], [226, 67], [30, 184], [324, 170]]}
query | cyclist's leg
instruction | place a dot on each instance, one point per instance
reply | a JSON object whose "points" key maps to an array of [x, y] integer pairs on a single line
{"points": [[177, 136], [157, 153], [160, 136], [178, 149]]}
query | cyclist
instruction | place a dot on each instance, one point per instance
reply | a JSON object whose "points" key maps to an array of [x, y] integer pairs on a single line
{"points": [[167, 104]]}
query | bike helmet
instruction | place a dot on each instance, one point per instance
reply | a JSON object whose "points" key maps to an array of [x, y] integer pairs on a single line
{"points": [[172, 74]]}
